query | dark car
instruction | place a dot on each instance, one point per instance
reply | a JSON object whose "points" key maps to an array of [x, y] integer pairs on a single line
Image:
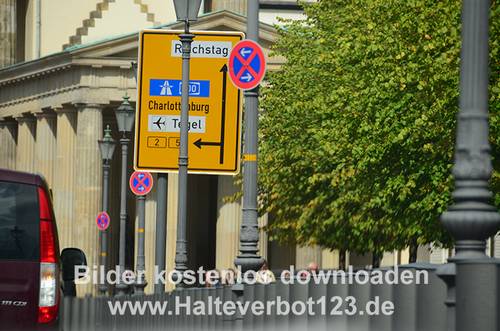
{"points": [[30, 264]]}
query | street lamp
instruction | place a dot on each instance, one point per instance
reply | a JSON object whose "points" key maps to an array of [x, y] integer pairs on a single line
{"points": [[107, 147], [186, 11], [249, 259], [473, 218], [125, 119], [125, 116]]}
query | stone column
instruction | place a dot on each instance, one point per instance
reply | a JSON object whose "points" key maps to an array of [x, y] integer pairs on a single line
{"points": [[389, 259], [239, 7], [438, 255], [64, 181], [172, 198], [263, 236], [228, 225], [25, 156], [329, 259], [424, 253], [88, 183], [404, 256], [8, 144], [496, 246], [306, 254], [8, 18], [45, 148]]}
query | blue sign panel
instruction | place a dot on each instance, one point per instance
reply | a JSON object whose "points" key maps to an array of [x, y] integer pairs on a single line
{"points": [[173, 88]]}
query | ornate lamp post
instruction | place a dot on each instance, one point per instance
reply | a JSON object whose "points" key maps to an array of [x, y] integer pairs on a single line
{"points": [[107, 147], [186, 11], [125, 119], [472, 219], [248, 259]]}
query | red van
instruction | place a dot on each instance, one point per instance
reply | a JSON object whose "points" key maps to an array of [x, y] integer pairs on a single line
{"points": [[30, 265]]}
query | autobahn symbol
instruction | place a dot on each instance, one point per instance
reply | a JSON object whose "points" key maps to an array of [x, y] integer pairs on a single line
{"points": [[141, 182], [103, 221], [247, 64]]}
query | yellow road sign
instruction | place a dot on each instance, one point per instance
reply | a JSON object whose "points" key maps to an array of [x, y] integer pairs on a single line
{"points": [[214, 104]]}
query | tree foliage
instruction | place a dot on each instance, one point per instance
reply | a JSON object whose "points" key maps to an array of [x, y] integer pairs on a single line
{"points": [[357, 129]]}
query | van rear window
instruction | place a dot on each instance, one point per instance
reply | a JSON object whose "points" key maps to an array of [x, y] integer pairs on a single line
{"points": [[19, 223]]}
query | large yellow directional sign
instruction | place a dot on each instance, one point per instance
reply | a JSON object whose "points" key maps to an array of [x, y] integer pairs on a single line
{"points": [[214, 104]]}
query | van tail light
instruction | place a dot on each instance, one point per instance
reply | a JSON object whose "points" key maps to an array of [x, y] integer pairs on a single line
{"points": [[48, 305], [48, 302]]}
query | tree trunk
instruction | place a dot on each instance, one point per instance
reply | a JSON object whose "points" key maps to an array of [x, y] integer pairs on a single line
{"points": [[342, 260], [376, 259], [413, 252]]}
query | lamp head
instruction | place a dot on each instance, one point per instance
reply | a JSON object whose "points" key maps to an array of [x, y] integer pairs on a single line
{"points": [[125, 116], [107, 145], [187, 10]]}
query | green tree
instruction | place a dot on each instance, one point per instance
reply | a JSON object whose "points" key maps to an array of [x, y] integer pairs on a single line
{"points": [[357, 129]]}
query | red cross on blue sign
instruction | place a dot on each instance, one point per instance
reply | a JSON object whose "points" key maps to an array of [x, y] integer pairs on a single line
{"points": [[247, 64], [102, 221], [141, 182]]}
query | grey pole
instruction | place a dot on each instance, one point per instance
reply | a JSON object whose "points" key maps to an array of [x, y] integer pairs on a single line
{"points": [[181, 244], [248, 259], [106, 147], [161, 228], [161, 215], [472, 218], [140, 265], [121, 287], [103, 288]]}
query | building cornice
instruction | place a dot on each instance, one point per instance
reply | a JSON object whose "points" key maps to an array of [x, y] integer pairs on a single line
{"points": [[98, 73]]}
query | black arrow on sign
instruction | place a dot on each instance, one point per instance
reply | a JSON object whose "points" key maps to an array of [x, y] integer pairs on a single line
{"points": [[198, 143]]}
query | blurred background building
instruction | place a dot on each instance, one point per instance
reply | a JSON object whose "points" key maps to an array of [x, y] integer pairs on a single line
{"points": [[64, 67]]}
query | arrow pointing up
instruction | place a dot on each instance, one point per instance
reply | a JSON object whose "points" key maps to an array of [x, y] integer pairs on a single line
{"points": [[223, 113], [199, 143]]}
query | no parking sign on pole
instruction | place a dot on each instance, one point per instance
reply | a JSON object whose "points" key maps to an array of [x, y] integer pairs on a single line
{"points": [[141, 182], [102, 221], [247, 64]]}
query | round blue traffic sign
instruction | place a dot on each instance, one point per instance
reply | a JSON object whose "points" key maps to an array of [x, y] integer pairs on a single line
{"points": [[141, 182], [247, 64], [102, 220]]}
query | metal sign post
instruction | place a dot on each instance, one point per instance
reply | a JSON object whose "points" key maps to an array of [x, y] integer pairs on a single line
{"points": [[107, 147], [248, 259], [141, 184], [181, 244], [186, 11], [161, 228]]}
